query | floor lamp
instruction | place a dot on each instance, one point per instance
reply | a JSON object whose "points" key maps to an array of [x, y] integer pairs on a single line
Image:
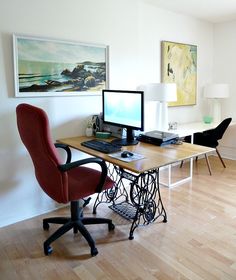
{"points": [[216, 92], [161, 94]]}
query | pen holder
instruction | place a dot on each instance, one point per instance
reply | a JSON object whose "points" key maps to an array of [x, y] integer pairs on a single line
{"points": [[89, 131]]}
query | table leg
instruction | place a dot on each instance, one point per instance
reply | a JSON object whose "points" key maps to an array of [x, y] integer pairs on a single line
{"points": [[146, 198], [169, 183], [117, 192], [144, 204]]}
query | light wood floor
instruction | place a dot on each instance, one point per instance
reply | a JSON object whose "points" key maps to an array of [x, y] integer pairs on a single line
{"points": [[197, 242]]}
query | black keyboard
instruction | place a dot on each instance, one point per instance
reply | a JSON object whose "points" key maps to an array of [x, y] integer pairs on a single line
{"points": [[101, 146]]}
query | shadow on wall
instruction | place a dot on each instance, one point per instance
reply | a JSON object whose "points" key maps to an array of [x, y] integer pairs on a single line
{"points": [[18, 187], [14, 157], [11, 150], [71, 128]]}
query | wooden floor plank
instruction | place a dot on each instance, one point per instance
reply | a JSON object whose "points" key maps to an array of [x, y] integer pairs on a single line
{"points": [[198, 241]]}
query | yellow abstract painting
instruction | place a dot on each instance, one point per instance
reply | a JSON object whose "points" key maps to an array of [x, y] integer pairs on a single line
{"points": [[179, 65]]}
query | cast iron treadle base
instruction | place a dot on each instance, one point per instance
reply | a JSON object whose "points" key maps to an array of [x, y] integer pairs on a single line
{"points": [[124, 209]]}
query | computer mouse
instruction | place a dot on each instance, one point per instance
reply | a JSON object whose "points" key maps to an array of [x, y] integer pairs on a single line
{"points": [[126, 154]]}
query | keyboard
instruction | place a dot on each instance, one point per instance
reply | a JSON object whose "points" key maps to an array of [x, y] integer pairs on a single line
{"points": [[101, 146]]}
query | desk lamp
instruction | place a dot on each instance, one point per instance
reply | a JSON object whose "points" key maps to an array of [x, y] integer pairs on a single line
{"points": [[161, 93], [216, 92]]}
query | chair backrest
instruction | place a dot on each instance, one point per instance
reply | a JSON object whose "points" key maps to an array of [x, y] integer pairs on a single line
{"points": [[221, 128], [33, 126]]}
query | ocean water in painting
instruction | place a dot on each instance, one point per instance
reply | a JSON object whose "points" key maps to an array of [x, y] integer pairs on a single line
{"points": [[32, 72], [41, 73]]}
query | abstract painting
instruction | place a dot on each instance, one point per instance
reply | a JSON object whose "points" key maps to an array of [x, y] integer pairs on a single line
{"points": [[179, 65], [45, 67]]}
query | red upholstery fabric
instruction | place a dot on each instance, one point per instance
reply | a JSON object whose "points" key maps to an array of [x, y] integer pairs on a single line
{"points": [[61, 186], [82, 182]]}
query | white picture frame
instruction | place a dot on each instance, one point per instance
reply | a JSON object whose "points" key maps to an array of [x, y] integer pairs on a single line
{"points": [[47, 67]]}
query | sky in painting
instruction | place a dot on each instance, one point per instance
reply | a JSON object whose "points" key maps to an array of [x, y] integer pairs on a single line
{"points": [[56, 51]]}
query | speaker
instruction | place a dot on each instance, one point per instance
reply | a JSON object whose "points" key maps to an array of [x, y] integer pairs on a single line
{"points": [[99, 126], [97, 123]]}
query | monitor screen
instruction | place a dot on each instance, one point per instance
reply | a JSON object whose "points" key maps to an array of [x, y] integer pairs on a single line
{"points": [[125, 109]]}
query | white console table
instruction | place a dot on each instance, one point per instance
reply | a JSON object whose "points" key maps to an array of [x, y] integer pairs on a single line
{"points": [[191, 128], [185, 130]]}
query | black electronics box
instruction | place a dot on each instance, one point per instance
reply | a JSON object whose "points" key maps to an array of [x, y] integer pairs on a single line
{"points": [[158, 138]]}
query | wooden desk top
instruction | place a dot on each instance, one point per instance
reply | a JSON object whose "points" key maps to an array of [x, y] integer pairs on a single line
{"points": [[154, 156]]}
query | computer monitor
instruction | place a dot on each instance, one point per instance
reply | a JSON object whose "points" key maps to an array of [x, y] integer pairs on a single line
{"points": [[124, 108]]}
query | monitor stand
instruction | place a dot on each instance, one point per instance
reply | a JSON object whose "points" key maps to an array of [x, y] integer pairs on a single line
{"points": [[128, 141]]}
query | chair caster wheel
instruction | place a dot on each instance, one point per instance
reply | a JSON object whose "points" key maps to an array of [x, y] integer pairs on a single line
{"points": [[131, 237], [165, 220], [94, 251], [45, 225], [111, 226], [47, 250]]}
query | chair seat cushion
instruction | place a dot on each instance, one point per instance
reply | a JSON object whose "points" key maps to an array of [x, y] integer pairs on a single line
{"points": [[82, 182]]}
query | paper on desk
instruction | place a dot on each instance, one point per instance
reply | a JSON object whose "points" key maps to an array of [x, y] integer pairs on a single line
{"points": [[134, 157]]}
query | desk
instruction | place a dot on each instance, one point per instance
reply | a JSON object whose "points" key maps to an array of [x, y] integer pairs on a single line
{"points": [[144, 198]]}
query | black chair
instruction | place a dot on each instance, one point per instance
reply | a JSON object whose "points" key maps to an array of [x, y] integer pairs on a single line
{"points": [[210, 138]]}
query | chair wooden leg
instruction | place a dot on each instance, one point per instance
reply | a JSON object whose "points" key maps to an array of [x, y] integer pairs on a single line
{"points": [[218, 153], [208, 163]]}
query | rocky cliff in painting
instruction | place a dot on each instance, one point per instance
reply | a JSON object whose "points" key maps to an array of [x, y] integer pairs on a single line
{"points": [[85, 76]]}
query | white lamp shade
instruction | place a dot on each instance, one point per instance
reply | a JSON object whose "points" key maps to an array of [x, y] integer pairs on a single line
{"points": [[163, 92], [216, 91]]}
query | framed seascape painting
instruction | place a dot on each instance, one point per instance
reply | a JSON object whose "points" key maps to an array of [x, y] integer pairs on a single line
{"points": [[45, 67], [179, 65]]}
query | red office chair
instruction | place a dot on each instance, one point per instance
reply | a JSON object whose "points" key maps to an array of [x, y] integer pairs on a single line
{"points": [[64, 183]]}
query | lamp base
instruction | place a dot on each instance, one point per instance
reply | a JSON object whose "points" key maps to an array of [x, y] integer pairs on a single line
{"points": [[216, 111], [150, 116], [162, 116], [207, 119]]}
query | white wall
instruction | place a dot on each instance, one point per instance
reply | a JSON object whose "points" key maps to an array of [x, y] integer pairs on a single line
{"points": [[160, 25], [224, 72], [133, 30]]}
